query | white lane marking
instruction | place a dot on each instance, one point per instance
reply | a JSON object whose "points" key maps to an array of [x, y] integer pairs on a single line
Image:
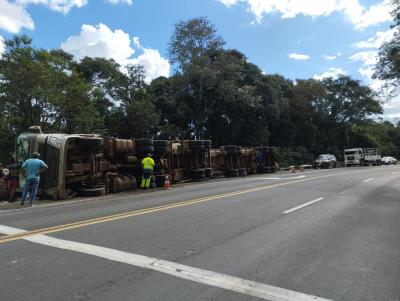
{"points": [[304, 205], [396, 173], [231, 283], [288, 178], [368, 180], [247, 179]]}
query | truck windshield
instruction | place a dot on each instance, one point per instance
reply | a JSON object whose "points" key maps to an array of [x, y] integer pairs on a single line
{"points": [[350, 153]]}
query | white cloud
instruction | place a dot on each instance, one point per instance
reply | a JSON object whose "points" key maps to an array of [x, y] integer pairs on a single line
{"points": [[154, 65], [300, 57], [136, 43], [129, 2], [329, 57], [332, 72], [101, 41], [368, 60], [14, 17], [63, 6], [367, 57], [377, 41], [2, 46], [360, 16]]}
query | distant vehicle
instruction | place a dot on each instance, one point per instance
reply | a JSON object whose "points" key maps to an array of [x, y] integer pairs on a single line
{"points": [[389, 160], [325, 161], [362, 156]]}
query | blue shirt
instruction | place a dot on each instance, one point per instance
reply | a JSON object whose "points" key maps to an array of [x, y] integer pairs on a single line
{"points": [[33, 167]]}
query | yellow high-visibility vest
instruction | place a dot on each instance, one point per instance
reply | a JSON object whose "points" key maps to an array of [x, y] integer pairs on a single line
{"points": [[148, 163]]}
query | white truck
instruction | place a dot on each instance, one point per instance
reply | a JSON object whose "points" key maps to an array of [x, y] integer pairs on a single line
{"points": [[362, 156]]}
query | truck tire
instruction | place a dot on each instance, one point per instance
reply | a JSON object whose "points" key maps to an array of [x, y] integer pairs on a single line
{"points": [[161, 143], [144, 142], [198, 174], [208, 172], [93, 191], [234, 173], [145, 149]]}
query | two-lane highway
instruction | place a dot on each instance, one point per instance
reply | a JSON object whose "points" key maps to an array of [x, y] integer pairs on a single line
{"points": [[319, 235]]}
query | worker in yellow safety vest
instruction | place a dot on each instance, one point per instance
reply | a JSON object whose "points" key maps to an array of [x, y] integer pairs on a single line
{"points": [[147, 165]]}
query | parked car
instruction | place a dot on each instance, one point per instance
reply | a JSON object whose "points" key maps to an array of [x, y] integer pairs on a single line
{"points": [[325, 161], [389, 160]]}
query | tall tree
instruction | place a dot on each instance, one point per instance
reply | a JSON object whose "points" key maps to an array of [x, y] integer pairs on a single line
{"points": [[40, 87], [105, 77], [388, 65], [136, 115], [191, 39]]}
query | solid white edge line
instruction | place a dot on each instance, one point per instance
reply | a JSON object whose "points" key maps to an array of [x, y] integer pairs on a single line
{"points": [[303, 205], [231, 283], [368, 180]]}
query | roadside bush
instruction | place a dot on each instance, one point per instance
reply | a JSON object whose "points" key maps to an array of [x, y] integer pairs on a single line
{"points": [[293, 156]]}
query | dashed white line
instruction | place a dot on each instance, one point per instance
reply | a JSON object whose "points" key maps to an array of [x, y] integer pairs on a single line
{"points": [[396, 173], [368, 180], [231, 283], [302, 206]]}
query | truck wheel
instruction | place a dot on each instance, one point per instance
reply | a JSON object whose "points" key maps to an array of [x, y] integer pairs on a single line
{"points": [[145, 149], [144, 142], [161, 143], [93, 191]]}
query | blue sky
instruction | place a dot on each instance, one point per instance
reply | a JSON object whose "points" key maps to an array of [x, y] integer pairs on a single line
{"points": [[295, 38]]}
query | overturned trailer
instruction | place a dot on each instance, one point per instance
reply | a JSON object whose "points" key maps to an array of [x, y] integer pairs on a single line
{"points": [[92, 165], [80, 163]]}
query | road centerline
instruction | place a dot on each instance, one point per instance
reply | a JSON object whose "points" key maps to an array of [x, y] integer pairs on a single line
{"points": [[303, 205], [215, 279]]}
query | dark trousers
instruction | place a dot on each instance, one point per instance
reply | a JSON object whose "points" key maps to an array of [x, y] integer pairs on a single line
{"points": [[31, 186]]}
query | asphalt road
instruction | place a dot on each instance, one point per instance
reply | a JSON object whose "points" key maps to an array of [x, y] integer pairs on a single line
{"points": [[319, 235]]}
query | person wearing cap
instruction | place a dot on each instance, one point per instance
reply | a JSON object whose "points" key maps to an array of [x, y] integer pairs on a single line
{"points": [[12, 178], [148, 166], [33, 168]]}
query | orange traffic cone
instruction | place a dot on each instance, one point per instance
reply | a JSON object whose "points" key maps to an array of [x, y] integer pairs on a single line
{"points": [[167, 183]]}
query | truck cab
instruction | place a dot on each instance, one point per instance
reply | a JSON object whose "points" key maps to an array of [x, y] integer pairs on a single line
{"points": [[353, 156], [362, 156], [56, 151]]}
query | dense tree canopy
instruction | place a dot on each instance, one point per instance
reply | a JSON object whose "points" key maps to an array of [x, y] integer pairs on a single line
{"points": [[216, 93], [388, 66]]}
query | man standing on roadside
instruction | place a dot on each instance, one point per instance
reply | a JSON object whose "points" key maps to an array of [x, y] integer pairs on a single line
{"points": [[33, 167], [148, 166]]}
